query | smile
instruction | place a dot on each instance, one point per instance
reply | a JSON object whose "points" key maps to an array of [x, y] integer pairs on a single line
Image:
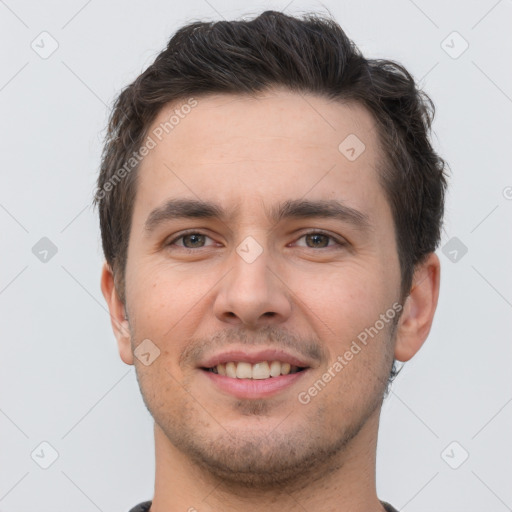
{"points": [[257, 371]]}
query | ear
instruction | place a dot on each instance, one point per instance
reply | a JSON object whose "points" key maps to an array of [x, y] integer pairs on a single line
{"points": [[117, 314], [419, 308]]}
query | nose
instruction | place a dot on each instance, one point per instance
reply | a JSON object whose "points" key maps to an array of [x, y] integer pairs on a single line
{"points": [[252, 294]]}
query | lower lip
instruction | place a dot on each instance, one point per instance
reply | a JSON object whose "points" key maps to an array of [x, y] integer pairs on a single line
{"points": [[254, 388]]}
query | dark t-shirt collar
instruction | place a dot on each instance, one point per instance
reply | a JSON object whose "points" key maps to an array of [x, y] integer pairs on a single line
{"points": [[144, 507]]}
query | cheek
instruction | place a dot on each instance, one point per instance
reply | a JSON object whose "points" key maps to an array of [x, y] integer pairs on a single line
{"points": [[169, 307], [346, 310], [163, 390], [346, 299], [164, 295]]}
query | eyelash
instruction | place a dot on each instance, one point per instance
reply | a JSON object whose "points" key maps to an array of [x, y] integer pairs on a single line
{"points": [[339, 242]]}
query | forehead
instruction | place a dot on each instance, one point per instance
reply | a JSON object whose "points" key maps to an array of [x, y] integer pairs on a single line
{"points": [[275, 146]]}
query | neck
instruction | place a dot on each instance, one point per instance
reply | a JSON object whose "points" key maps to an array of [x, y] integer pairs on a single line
{"points": [[346, 483]]}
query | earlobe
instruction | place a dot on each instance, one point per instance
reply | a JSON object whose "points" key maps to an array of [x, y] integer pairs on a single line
{"points": [[419, 308], [118, 317]]}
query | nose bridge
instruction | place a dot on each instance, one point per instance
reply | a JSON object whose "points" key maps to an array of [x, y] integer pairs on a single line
{"points": [[250, 262], [251, 292]]}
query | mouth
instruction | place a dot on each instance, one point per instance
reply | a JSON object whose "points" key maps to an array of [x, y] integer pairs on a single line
{"points": [[257, 371], [254, 375]]}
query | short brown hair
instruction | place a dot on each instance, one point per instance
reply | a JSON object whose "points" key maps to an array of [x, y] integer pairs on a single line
{"points": [[311, 54]]}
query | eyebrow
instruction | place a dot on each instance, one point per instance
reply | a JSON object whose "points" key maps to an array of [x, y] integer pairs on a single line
{"points": [[291, 209]]}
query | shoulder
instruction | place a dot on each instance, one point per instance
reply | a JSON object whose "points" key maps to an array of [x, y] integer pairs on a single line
{"points": [[388, 507], [142, 507]]}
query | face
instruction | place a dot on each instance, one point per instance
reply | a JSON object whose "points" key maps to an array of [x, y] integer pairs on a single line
{"points": [[256, 238]]}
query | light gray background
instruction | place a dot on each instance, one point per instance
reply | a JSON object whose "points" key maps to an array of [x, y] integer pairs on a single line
{"points": [[61, 379]]}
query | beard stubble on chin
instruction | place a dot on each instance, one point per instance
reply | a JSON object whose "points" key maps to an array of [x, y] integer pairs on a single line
{"points": [[288, 455]]}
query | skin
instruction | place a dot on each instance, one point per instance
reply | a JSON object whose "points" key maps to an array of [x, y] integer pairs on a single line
{"points": [[214, 451]]}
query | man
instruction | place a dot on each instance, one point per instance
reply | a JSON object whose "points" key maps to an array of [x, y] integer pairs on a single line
{"points": [[270, 205]]}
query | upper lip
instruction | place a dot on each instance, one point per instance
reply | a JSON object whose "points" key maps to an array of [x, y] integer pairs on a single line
{"points": [[253, 357]]}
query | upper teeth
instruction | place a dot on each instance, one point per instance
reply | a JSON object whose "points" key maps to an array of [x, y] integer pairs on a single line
{"points": [[263, 370]]}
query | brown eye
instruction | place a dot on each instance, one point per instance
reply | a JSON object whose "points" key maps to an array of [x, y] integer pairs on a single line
{"points": [[193, 240], [317, 240], [320, 240], [190, 241]]}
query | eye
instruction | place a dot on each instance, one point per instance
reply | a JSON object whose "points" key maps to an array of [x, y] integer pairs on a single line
{"points": [[320, 240], [313, 240], [190, 240]]}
